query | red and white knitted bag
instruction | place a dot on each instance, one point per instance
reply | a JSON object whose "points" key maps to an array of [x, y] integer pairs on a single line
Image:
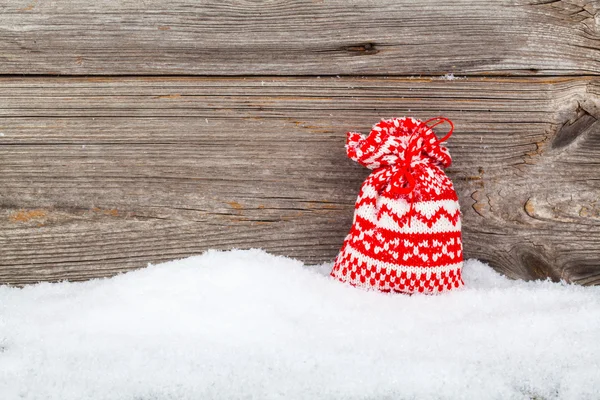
{"points": [[406, 232]]}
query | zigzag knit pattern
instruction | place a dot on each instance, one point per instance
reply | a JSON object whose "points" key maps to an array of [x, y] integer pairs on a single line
{"points": [[406, 232]]}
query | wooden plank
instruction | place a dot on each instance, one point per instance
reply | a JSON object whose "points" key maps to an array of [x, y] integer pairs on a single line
{"points": [[308, 37], [100, 175]]}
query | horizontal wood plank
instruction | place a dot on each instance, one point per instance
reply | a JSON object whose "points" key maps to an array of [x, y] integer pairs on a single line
{"points": [[308, 37], [101, 175]]}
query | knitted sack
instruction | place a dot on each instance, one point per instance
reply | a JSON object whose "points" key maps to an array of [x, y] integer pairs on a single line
{"points": [[405, 235]]}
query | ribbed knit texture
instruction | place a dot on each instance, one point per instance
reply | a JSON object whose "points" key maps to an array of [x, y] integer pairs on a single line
{"points": [[406, 232]]}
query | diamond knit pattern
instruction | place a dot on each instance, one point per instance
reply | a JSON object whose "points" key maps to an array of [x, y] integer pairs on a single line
{"points": [[406, 232]]}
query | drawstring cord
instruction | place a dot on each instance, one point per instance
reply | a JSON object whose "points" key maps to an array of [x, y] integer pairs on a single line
{"points": [[405, 169], [441, 120]]}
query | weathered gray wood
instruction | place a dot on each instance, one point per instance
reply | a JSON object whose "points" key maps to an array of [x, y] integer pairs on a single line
{"points": [[308, 37], [100, 175]]}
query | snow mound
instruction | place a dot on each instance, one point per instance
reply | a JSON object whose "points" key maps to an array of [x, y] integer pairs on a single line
{"points": [[249, 325]]}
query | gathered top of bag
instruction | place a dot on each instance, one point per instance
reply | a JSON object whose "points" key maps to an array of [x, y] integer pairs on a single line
{"points": [[399, 141], [407, 153]]}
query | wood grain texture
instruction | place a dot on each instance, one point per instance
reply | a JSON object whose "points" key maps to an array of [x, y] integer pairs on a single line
{"points": [[101, 175], [307, 37]]}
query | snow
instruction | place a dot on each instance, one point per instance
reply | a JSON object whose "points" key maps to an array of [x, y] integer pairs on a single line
{"points": [[249, 325], [450, 77]]}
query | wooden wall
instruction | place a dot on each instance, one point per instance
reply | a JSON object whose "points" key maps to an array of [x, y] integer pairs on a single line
{"points": [[143, 131]]}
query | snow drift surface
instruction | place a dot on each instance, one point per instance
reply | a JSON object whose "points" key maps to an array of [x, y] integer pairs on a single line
{"points": [[246, 324]]}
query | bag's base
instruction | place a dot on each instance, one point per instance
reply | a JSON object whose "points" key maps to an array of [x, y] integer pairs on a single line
{"points": [[361, 272]]}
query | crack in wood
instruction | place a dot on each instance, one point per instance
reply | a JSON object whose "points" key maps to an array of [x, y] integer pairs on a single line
{"points": [[480, 207], [362, 49], [576, 127]]}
